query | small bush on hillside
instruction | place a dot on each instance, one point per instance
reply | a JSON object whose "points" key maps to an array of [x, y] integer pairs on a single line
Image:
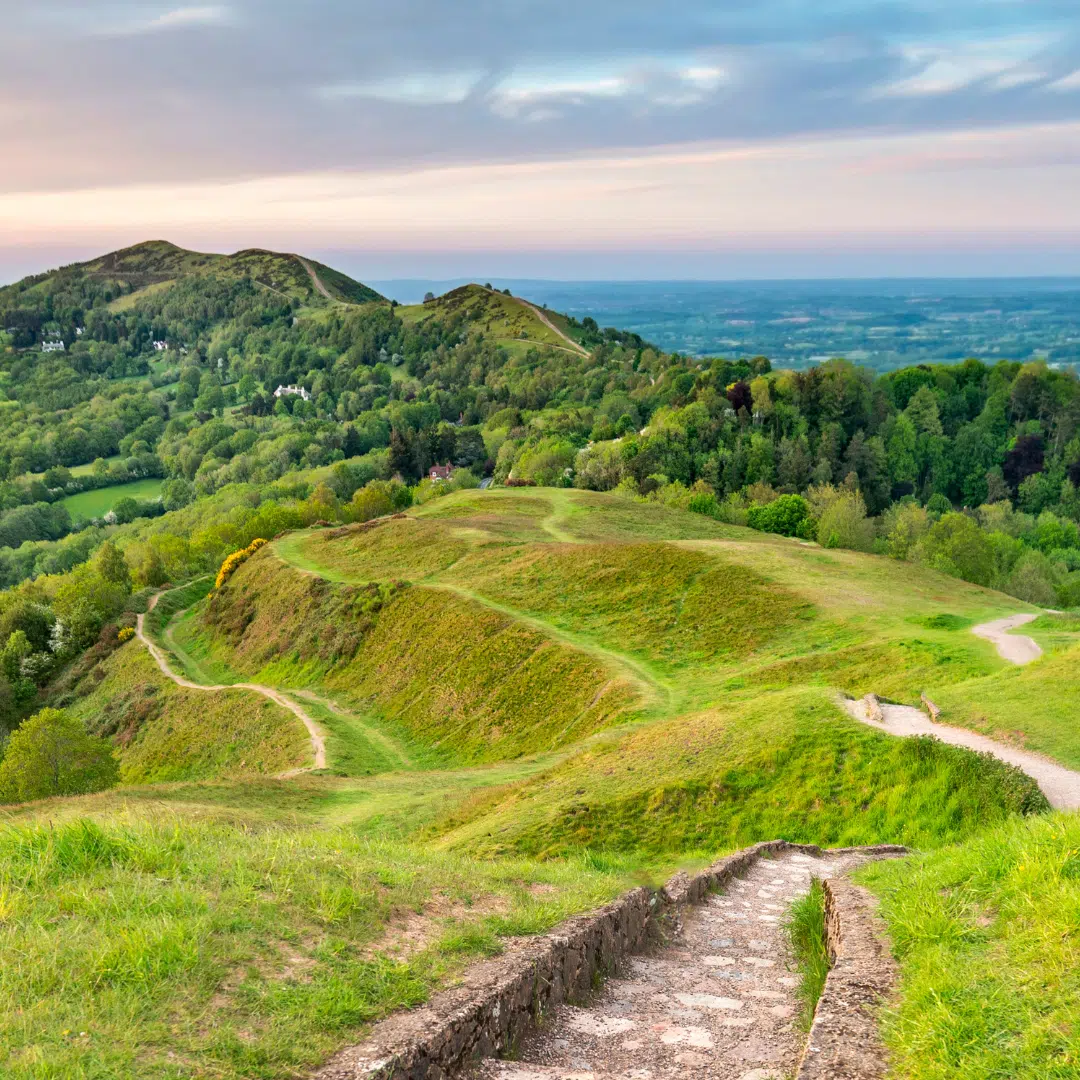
{"points": [[236, 559], [52, 754], [785, 515]]}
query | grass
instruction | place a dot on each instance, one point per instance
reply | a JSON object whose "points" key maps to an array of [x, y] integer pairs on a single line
{"points": [[164, 732], [531, 698], [785, 765], [805, 926], [199, 948], [990, 959], [97, 503]]}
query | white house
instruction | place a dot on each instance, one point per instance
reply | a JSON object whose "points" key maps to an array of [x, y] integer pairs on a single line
{"points": [[161, 346], [53, 342], [292, 391]]}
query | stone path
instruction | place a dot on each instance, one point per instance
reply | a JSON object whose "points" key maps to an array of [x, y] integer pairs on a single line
{"points": [[1061, 786], [1016, 648], [717, 1001]]}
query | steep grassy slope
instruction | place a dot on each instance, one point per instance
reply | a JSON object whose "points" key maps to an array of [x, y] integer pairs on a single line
{"points": [[469, 682], [164, 732], [506, 320], [787, 764]]}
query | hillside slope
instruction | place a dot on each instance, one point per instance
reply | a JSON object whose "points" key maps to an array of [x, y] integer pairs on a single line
{"points": [[537, 698]]}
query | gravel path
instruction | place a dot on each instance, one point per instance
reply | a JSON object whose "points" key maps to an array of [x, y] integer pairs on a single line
{"points": [[1016, 648], [318, 742], [1061, 786], [718, 1001]]}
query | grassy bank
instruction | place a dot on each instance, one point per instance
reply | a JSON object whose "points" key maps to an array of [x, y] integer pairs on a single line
{"points": [[197, 948], [990, 955]]}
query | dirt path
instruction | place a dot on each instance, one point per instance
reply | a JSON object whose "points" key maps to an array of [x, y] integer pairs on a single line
{"points": [[1016, 648], [315, 280], [1061, 786], [318, 742], [718, 1001], [575, 348]]}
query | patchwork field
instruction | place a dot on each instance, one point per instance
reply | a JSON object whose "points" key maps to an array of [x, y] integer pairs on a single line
{"points": [[531, 700]]}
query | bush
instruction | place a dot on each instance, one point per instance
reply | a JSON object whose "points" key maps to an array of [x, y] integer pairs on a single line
{"points": [[785, 515], [704, 503], [52, 754], [236, 559], [841, 519]]}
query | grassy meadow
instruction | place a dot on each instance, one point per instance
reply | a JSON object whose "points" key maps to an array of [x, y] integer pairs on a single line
{"points": [[532, 699], [97, 503]]}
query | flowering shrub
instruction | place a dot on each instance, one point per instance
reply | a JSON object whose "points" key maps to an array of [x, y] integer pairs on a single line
{"points": [[236, 559], [126, 634]]}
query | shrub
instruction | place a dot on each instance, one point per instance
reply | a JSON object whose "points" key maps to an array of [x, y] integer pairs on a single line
{"points": [[784, 515], [704, 503], [842, 522], [237, 559], [126, 634], [52, 754]]}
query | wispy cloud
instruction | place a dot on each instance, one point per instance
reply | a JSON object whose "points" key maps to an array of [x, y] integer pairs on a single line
{"points": [[941, 68], [175, 19], [425, 88]]}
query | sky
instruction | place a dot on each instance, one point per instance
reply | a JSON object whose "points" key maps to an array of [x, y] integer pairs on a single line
{"points": [[549, 138]]}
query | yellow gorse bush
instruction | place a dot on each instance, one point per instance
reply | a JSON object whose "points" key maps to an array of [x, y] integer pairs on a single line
{"points": [[236, 559], [126, 634]]}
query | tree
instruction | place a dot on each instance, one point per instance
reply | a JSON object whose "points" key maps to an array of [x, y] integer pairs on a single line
{"points": [[246, 387], [111, 566], [52, 754], [957, 546]]}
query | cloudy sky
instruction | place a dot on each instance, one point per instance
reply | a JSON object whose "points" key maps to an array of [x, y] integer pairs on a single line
{"points": [[562, 138]]}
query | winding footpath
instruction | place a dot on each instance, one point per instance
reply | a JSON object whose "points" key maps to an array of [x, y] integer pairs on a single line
{"points": [[318, 741], [1016, 648], [1060, 785]]}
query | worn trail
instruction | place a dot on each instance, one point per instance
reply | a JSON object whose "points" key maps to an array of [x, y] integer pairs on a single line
{"points": [[720, 1000], [318, 742], [1016, 648], [1061, 786]]}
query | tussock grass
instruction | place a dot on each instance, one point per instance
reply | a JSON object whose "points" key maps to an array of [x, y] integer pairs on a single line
{"points": [[805, 927], [198, 948], [990, 958]]}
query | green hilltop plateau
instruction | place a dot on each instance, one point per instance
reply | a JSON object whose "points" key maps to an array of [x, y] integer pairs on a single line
{"points": [[345, 644]]}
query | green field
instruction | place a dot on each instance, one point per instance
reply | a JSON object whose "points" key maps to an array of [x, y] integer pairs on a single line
{"points": [[532, 700], [96, 504]]}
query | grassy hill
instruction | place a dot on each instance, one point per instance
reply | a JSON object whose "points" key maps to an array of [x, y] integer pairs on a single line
{"points": [[534, 698], [509, 321], [157, 263]]}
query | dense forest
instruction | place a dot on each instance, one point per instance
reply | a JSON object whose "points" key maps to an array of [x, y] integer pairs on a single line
{"points": [[971, 468]]}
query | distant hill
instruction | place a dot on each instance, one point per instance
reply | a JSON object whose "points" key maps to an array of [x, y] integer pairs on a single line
{"points": [[124, 277]]}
